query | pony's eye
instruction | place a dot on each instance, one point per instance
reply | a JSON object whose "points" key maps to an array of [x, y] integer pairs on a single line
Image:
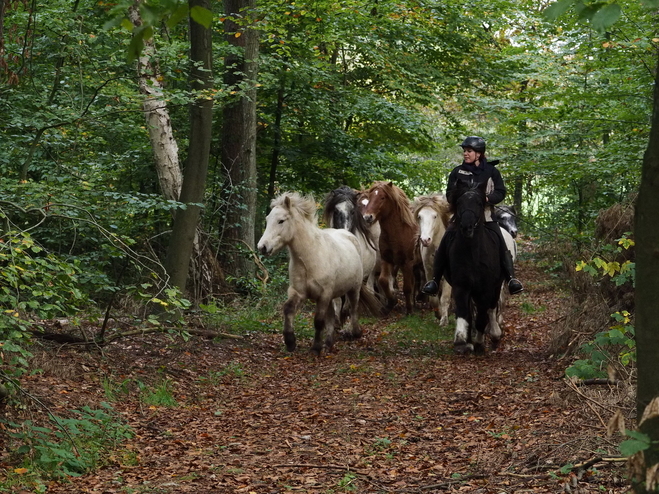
{"points": [[281, 221]]}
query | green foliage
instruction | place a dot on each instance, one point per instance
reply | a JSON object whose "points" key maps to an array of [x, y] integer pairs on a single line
{"points": [[159, 395], [615, 345], [232, 369], [347, 483], [618, 343], [418, 332], [33, 283], [70, 446], [637, 442], [606, 265]]}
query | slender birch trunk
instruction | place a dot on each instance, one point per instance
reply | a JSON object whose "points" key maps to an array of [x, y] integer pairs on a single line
{"points": [[158, 122]]}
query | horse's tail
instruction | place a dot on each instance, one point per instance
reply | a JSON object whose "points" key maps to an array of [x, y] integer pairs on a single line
{"points": [[369, 303]]}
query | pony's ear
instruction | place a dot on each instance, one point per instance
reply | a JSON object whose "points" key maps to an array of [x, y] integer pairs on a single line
{"points": [[513, 210], [287, 202]]}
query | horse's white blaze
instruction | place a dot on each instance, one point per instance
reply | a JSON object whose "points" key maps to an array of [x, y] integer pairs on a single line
{"points": [[346, 212], [427, 219], [461, 328]]}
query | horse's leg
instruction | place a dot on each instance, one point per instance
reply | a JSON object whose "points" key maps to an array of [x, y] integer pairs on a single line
{"points": [[329, 327], [337, 303], [462, 336], [319, 321], [353, 297], [408, 286], [444, 303], [385, 283], [494, 328], [290, 309], [482, 318], [440, 304]]}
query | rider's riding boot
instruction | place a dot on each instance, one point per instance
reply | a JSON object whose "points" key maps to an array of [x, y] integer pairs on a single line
{"points": [[431, 288], [514, 285]]}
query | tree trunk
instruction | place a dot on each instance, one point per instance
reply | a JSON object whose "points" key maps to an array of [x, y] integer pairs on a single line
{"points": [[165, 148], [276, 145], [239, 140], [194, 178], [647, 291]]}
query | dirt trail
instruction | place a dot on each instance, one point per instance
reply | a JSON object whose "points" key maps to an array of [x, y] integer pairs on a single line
{"points": [[371, 418]]}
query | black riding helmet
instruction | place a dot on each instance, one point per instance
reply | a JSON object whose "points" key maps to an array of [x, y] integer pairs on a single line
{"points": [[474, 142]]}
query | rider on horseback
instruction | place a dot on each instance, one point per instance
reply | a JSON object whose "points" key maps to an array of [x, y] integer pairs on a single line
{"points": [[475, 169]]}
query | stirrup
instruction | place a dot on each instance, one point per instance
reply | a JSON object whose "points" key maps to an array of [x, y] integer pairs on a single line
{"points": [[514, 286], [430, 288]]}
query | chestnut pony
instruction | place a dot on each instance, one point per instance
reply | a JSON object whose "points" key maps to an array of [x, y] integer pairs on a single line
{"points": [[399, 233]]}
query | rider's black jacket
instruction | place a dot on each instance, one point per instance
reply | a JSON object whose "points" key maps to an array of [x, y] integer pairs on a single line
{"points": [[496, 190]]}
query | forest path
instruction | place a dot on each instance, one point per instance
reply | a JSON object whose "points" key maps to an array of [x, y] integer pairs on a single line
{"points": [[390, 413]]}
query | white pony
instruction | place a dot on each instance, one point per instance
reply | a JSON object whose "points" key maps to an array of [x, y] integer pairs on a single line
{"points": [[323, 264], [432, 213]]}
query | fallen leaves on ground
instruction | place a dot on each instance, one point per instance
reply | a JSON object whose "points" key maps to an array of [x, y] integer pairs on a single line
{"points": [[367, 419]]}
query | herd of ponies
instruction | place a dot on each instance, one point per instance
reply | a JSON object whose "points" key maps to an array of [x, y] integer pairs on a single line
{"points": [[351, 266]]}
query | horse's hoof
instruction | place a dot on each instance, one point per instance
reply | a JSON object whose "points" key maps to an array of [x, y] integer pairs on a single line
{"points": [[463, 348], [290, 343], [355, 334], [479, 349], [494, 344], [443, 320]]}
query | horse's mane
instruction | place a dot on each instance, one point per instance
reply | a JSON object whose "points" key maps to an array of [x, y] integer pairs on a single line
{"points": [[305, 205], [437, 202], [400, 200]]}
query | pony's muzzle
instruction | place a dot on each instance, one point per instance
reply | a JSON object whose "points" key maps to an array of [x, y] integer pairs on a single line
{"points": [[369, 218], [263, 249]]}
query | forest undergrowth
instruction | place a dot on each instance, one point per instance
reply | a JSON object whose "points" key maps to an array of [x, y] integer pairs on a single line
{"points": [[394, 412]]}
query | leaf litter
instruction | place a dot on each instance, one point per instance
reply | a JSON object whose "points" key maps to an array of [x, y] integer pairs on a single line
{"points": [[380, 415]]}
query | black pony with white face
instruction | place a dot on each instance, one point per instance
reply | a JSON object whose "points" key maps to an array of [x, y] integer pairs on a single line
{"points": [[341, 211], [506, 216], [474, 271]]}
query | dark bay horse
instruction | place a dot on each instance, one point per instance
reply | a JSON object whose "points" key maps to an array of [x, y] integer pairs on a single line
{"points": [[386, 203], [474, 272]]}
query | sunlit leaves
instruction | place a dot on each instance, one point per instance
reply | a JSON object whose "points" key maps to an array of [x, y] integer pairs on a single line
{"points": [[602, 15], [557, 9], [606, 17], [201, 15]]}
